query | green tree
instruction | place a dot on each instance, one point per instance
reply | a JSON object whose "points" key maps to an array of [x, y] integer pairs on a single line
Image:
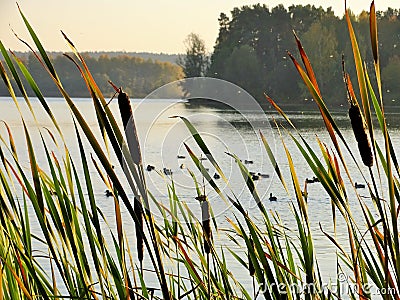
{"points": [[195, 61], [244, 69]]}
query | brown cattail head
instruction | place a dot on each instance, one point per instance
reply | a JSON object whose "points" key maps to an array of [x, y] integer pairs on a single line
{"points": [[360, 132], [252, 271], [129, 126], [205, 217], [357, 122], [124, 107], [139, 228]]}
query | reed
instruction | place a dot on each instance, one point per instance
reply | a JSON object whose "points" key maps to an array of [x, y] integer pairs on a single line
{"points": [[90, 259]]}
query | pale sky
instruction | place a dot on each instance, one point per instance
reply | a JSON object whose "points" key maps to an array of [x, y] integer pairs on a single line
{"points": [[149, 26]]}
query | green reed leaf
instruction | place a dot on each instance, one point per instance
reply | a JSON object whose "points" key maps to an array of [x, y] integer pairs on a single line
{"points": [[204, 172], [361, 78], [250, 183], [300, 200], [37, 92], [273, 161], [14, 73], [200, 142], [373, 30], [10, 89], [39, 46]]}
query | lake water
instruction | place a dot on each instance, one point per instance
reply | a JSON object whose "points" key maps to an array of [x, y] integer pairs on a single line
{"points": [[223, 131]]}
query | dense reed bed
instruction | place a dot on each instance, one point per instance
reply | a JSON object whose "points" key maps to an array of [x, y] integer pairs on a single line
{"points": [[81, 263]]}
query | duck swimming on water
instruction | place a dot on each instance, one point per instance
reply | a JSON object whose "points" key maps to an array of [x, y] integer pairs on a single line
{"points": [[150, 168], [359, 185], [314, 179], [272, 198], [167, 171], [263, 175]]}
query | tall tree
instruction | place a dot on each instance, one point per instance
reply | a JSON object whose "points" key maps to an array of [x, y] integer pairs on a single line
{"points": [[195, 61], [244, 69]]}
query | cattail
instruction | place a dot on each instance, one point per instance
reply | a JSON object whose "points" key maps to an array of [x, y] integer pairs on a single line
{"points": [[139, 228], [357, 121], [252, 271], [360, 132], [129, 126], [125, 110], [124, 107], [205, 217]]}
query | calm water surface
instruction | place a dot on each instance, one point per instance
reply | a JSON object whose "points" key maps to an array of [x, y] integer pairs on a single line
{"points": [[225, 132]]}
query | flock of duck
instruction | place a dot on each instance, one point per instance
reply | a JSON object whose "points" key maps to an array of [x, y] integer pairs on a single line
{"points": [[254, 176], [168, 172]]}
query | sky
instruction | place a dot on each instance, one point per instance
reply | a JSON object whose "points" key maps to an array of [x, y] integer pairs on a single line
{"points": [[134, 26]]}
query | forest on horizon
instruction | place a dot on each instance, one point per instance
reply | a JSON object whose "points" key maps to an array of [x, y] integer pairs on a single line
{"points": [[250, 51]]}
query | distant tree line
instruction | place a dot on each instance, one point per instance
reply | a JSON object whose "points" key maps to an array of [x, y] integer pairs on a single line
{"points": [[161, 57], [137, 76], [251, 51]]}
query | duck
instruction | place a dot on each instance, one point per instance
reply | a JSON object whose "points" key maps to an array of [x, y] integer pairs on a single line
{"points": [[150, 168], [263, 175], [359, 185], [248, 162], [167, 171], [216, 176], [108, 193], [181, 156], [272, 198], [312, 180], [309, 180]]}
